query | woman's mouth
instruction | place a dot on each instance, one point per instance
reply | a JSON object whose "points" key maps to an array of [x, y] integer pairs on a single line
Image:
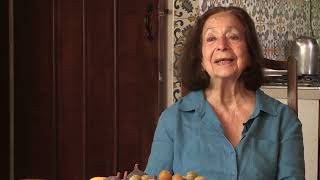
{"points": [[223, 61]]}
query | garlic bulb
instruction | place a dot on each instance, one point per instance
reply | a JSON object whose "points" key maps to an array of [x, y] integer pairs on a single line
{"points": [[136, 171]]}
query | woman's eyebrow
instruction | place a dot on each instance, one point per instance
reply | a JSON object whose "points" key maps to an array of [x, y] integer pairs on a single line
{"points": [[229, 29]]}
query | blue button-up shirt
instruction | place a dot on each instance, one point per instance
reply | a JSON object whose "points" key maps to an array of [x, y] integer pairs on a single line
{"points": [[189, 137]]}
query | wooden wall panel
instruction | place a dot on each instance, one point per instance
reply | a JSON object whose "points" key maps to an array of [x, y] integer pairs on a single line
{"points": [[71, 92], [33, 88], [86, 88], [4, 90], [138, 78], [100, 87]]}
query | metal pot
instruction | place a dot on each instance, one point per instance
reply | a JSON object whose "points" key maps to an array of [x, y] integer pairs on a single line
{"points": [[306, 51]]}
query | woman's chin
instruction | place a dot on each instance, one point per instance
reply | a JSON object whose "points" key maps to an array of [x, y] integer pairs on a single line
{"points": [[226, 75]]}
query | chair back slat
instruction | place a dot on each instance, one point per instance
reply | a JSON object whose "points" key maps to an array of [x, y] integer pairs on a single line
{"points": [[292, 84], [291, 66]]}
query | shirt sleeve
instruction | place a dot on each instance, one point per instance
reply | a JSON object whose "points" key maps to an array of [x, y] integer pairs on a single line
{"points": [[161, 155], [291, 153]]}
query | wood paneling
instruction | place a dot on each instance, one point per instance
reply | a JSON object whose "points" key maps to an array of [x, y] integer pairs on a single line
{"points": [[33, 88], [100, 87], [86, 88], [4, 90], [70, 99], [138, 76]]}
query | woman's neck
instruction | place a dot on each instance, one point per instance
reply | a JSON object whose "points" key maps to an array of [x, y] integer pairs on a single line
{"points": [[229, 95]]}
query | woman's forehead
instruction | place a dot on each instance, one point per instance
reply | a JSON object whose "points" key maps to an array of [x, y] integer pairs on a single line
{"points": [[222, 19]]}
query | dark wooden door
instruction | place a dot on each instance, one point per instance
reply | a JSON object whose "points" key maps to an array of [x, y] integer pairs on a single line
{"points": [[86, 95]]}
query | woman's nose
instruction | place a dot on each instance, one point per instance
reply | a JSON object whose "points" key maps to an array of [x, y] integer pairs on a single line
{"points": [[222, 44]]}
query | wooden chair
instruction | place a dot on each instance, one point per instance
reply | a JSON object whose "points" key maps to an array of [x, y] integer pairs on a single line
{"points": [[291, 66]]}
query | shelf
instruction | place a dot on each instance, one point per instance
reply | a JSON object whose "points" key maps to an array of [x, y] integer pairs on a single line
{"points": [[303, 92]]}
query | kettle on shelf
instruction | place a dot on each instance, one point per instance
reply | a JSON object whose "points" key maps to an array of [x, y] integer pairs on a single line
{"points": [[306, 51]]}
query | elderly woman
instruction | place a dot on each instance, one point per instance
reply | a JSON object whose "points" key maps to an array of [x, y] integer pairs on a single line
{"points": [[226, 127]]}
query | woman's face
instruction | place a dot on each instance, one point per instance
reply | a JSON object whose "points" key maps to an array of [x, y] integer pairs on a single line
{"points": [[224, 48]]}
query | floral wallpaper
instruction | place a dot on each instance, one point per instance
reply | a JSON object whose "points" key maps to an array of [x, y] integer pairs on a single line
{"points": [[185, 13], [277, 27]]}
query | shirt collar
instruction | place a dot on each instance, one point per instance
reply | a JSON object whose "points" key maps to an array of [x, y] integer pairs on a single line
{"points": [[195, 100], [264, 103]]}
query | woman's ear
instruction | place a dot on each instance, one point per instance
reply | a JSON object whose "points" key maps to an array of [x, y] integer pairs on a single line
{"points": [[202, 65], [203, 72], [202, 68]]}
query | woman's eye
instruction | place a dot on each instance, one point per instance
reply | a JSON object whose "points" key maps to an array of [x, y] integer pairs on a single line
{"points": [[209, 39], [234, 37]]}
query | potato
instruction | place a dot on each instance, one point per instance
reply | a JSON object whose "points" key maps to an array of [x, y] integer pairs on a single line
{"points": [[191, 175], [135, 177], [145, 177], [177, 177], [164, 175], [200, 178]]}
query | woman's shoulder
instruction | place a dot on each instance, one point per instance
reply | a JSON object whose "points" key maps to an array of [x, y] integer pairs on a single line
{"points": [[281, 111], [272, 104], [187, 103]]}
